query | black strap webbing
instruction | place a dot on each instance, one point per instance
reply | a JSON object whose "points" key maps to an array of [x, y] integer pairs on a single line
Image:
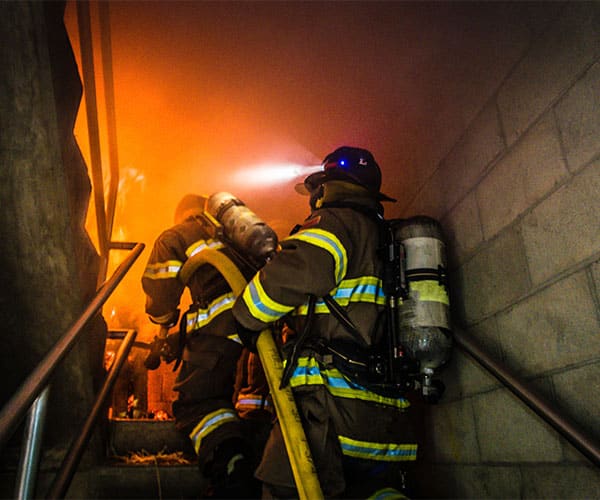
{"points": [[292, 360], [340, 314]]}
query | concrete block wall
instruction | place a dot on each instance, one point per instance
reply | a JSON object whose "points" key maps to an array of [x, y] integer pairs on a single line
{"points": [[48, 266], [519, 198]]}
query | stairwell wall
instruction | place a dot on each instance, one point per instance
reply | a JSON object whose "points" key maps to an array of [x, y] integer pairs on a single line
{"points": [[519, 198], [48, 264]]}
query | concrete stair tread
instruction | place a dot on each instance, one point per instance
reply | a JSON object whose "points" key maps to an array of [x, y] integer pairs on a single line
{"points": [[128, 481], [153, 436], [147, 459]]}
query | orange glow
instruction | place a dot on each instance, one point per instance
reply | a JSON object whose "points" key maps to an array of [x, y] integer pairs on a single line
{"points": [[200, 141], [209, 93]]}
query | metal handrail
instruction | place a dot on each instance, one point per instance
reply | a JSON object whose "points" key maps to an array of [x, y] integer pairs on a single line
{"points": [[578, 438], [67, 470], [14, 411], [31, 450]]}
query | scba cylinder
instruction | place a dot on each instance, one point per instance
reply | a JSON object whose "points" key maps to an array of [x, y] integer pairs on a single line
{"points": [[247, 232], [425, 316]]}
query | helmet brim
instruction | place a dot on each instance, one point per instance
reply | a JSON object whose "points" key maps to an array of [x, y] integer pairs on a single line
{"points": [[300, 188]]}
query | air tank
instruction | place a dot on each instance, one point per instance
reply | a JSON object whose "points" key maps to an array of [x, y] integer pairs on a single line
{"points": [[249, 234], [424, 317]]}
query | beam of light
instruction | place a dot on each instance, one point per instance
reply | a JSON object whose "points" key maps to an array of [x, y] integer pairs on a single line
{"points": [[273, 173]]}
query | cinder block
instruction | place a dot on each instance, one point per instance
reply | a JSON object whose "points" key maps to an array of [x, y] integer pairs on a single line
{"points": [[405, 185], [550, 67], [578, 115], [596, 279], [551, 329], [564, 229], [508, 431], [451, 436], [462, 168], [462, 230], [429, 200], [474, 481], [494, 278], [520, 179], [578, 395], [564, 481], [463, 376]]}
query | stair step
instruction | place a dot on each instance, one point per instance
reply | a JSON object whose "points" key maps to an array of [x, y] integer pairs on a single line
{"points": [[149, 474], [153, 436], [147, 481]]}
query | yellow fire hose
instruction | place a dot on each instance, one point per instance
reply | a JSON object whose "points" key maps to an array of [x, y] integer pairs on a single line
{"points": [[303, 468]]}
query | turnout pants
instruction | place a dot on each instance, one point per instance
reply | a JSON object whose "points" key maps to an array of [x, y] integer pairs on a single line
{"points": [[358, 447]]}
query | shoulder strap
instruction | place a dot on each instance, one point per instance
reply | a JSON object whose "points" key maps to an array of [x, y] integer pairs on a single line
{"points": [[292, 359]]}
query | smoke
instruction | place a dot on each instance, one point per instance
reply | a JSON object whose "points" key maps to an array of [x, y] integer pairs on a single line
{"points": [[179, 133], [206, 90]]}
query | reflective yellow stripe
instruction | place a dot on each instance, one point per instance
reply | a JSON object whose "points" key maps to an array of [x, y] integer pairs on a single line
{"points": [[384, 452], [367, 289], [430, 290], [252, 401], [201, 317], [329, 242], [260, 305], [235, 337], [308, 372], [209, 423], [363, 289], [162, 270], [200, 245]]}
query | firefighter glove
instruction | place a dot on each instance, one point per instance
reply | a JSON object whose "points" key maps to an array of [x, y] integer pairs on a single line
{"points": [[247, 336], [165, 348], [170, 348]]}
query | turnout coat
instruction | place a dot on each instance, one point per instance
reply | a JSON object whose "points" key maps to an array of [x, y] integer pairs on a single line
{"points": [[205, 407], [352, 431]]}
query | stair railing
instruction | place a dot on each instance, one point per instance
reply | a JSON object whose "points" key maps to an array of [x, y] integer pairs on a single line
{"points": [[36, 385], [31, 447], [67, 470], [571, 432]]}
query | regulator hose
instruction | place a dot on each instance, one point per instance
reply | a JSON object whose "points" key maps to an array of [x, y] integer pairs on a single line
{"points": [[301, 462]]}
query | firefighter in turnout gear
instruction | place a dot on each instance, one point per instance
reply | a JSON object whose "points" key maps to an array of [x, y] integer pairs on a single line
{"points": [[208, 348], [362, 439]]}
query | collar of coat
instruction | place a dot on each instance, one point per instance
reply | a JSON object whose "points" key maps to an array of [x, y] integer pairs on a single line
{"points": [[347, 192]]}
